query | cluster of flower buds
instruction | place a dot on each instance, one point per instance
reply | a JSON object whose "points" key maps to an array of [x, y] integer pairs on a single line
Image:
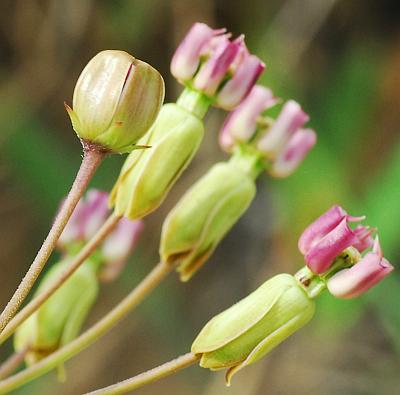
{"points": [[283, 142], [330, 238], [116, 100], [222, 69], [89, 215]]}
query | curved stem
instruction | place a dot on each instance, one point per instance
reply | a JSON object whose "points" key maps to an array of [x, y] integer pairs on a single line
{"points": [[92, 158], [12, 363], [158, 273], [86, 251], [150, 376]]}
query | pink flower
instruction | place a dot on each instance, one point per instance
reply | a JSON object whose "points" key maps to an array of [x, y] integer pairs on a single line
{"points": [[87, 218], [290, 119], [245, 75], [294, 153], [208, 61], [241, 124], [186, 59], [215, 69], [118, 246], [327, 237], [370, 270]]}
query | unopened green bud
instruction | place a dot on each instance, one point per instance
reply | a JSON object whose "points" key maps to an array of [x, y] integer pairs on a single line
{"points": [[116, 100], [203, 216], [148, 175], [251, 328], [60, 318]]}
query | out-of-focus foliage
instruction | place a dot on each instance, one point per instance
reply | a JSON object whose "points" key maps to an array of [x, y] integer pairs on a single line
{"points": [[339, 59]]}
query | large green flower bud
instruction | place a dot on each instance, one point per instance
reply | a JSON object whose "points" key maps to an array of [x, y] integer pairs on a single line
{"points": [[116, 100], [148, 175], [60, 318], [203, 216], [251, 328]]}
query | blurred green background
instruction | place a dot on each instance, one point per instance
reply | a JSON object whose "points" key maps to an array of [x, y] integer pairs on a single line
{"points": [[340, 59]]}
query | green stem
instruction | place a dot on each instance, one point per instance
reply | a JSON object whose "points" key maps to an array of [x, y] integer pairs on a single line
{"points": [[12, 363], [158, 273], [79, 259], [150, 376], [195, 102], [310, 282], [92, 158]]}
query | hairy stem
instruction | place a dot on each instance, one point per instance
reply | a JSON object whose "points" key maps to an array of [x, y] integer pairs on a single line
{"points": [[86, 251], [92, 158], [158, 273], [150, 376]]}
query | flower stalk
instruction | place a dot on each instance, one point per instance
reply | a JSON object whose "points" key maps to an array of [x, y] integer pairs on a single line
{"points": [[93, 155]]}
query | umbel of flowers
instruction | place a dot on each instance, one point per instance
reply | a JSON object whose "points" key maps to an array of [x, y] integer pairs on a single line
{"points": [[251, 328], [209, 209]]}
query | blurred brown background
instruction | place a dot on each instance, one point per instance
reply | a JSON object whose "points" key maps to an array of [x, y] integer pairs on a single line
{"points": [[340, 59]]}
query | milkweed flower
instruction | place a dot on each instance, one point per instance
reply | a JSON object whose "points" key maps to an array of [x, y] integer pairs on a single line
{"points": [[354, 281], [327, 238], [116, 100], [251, 328], [222, 69], [283, 143]]}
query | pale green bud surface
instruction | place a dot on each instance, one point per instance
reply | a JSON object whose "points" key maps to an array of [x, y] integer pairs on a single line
{"points": [[148, 175], [251, 328], [203, 216], [116, 100], [60, 318]]}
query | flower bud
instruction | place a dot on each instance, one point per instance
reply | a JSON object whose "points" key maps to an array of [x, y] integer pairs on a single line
{"points": [[207, 211], [370, 270], [254, 326], [148, 175], [59, 319], [294, 153], [326, 238], [118, 246], [116, 100]]}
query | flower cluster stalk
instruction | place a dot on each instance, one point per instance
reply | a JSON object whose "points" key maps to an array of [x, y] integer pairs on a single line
{"points": [[93, 156], [38, 301], [158, 273]]}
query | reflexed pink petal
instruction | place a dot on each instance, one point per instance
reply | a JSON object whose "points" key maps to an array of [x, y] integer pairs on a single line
{"points": [[294, 153], [290, 119], [364, 237], [241, 123], [239, 86], [214, 70], [349, 283], [186, 59], [321, 227], [320, 256]]}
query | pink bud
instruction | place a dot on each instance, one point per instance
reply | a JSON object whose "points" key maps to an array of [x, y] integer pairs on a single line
{"points": [[320, 257], [186, 59], [369, 271], [118, 246], [87, 218], [321, 227], [238, 87], [241, 124], [294, 153], [290, 119], [214, 70]]}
